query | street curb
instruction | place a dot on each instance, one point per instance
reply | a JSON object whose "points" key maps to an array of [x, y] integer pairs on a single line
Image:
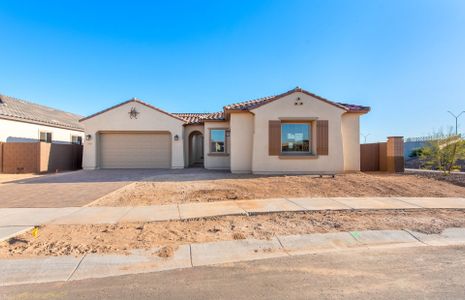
{"points": [[216, 253]]}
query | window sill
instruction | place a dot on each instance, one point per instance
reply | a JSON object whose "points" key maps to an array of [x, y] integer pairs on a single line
{"points": [[298, 156], [218, 154]]}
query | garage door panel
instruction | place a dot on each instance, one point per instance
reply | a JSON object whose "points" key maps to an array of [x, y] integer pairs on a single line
{"points": [[135, 150]]}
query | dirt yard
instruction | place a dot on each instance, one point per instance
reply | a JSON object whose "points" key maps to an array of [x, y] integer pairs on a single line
{"points": [[79, 239], [256, 187]]}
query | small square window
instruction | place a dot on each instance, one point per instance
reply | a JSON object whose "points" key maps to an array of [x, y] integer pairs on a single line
{"points": [[218, 141], [45, 137], [75, 139]]}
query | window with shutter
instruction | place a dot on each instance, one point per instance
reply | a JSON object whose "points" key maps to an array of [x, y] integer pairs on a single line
{"points": [[296, 138], [322, 138], [274, 138]]}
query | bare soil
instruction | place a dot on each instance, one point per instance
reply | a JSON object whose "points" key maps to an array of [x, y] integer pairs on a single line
{"points": [[255, 187], [55, 240]]}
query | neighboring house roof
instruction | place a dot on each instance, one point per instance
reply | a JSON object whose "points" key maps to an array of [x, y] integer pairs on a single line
{"points": [[19, 110], [252, 104], [128, 101]]}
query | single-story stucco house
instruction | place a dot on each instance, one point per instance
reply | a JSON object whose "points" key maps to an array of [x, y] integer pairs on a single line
{"points": [[23, 121], [294, 132]]}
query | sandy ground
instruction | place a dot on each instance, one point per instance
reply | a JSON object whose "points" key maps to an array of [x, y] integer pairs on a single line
{"points": [[79, 239], [254, 187]]}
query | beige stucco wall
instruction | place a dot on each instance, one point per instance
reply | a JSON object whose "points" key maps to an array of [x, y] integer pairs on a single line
{"points": [[187, 131], [215, 161], [117, 119], [242, 137], [285, 108], [351, 141], [14, 131]]}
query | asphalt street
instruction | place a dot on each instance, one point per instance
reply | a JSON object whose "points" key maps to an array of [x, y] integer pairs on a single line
{"points": [[400, 273]]}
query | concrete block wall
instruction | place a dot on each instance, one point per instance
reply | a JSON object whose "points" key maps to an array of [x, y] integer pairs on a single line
{"points": [[39, 157], [383, 156]]}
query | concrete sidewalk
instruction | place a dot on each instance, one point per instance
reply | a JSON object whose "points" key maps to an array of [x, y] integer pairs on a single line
{"points": [[26, 217], [65, 268]]}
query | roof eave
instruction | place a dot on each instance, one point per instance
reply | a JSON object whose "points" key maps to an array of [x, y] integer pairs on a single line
{"points": [[297, 90], [361, 111], [37, 122], [128, 101]]}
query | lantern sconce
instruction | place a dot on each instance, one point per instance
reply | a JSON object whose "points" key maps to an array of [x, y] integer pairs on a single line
{"points": [[176, 137], [88, 137]]}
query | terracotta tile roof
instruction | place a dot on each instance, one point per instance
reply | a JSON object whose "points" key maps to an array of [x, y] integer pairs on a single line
{"points": [[191, 118], [217, 116], [251, 104], [355, 107], [198, 118], [16, 109]]}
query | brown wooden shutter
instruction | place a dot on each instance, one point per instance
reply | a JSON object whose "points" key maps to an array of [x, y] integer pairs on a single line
{"points": [[274, 138], [322, 137]]}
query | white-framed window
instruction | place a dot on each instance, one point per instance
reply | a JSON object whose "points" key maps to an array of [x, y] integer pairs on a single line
{"points": [[76, 139], [218, 140], [296, 137], [45, 136]]}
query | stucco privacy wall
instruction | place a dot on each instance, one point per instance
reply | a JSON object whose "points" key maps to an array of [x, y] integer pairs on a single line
{"points": [[216, 161], [14, 131], [284, 108], [187, 131], [117, 119], [351, 141], [242, 131]]}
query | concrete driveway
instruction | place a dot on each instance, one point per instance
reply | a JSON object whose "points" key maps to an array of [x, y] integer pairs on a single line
{"points": [[76, 188], [79, 188]]}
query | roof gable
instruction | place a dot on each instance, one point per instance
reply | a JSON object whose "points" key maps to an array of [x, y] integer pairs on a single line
{"points": [[129, 101], [255, 103], [199, 118]]}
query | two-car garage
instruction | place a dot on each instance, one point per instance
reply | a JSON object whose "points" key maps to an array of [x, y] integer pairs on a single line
{"points": [[133, 135], [135, 150]]}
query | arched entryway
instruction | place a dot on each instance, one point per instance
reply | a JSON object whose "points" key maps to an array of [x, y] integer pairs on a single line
{"points": [[196, 149]]}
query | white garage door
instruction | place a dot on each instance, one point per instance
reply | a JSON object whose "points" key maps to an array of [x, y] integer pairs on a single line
{"points": [[135, 150]]}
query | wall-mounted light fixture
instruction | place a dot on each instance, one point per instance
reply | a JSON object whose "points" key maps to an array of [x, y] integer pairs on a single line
{"points": [[88, 137], [176, 137]]}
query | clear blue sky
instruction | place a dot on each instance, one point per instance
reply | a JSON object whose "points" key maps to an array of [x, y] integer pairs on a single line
{"points": [[405, 59]]}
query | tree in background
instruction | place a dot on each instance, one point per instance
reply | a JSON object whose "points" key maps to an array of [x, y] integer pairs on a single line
{"points": [[415, 153], [443, 152]]}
